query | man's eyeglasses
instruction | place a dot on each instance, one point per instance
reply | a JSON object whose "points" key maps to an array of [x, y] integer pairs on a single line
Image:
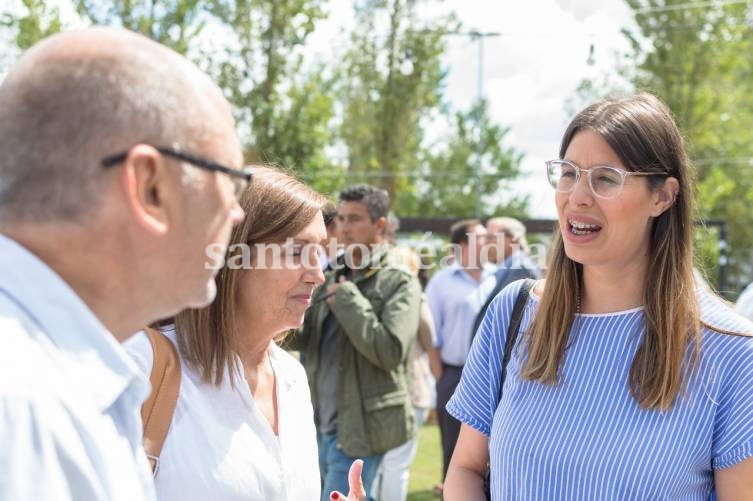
{"points": [[240, 177], [605, 181]]}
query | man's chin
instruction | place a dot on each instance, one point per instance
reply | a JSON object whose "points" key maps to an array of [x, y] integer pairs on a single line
{"points": [[206, 298]]}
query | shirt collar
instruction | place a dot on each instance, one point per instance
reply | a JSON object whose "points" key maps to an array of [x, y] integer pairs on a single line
{"points": [[98, 359]]}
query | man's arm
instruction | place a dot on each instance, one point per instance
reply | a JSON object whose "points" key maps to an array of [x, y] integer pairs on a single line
{"points": [[435, 363], [384, 340], [427, 335]]}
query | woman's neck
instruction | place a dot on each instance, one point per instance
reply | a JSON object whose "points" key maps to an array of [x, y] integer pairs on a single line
{"points": [[261, 380], [607, 290]]}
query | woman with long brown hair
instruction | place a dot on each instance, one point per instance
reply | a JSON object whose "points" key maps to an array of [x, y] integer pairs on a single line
{"points": [[626, 380], [243, 426]]}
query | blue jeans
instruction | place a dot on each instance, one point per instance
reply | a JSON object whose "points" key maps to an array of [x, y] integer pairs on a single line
{"points": [[334, 466]]}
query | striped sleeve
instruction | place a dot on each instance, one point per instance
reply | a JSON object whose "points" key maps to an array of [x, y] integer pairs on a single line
{"points": [[733, 427], [475, 399]]}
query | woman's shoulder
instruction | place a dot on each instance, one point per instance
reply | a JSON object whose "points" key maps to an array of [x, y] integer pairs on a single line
{"points": [[509, 294], [501, 306]]}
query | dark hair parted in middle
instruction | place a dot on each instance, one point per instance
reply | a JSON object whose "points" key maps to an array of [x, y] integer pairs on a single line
{"points": [[642, 132], [277, 207]]}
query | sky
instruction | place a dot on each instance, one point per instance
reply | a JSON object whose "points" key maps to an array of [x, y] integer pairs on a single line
{"points": [[529, 71]]}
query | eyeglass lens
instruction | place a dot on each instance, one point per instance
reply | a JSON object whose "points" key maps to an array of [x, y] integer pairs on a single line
{"points": [[604, 181]]}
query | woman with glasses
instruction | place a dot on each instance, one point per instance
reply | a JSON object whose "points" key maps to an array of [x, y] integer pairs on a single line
{"points": [[626, 379], [243, 426]]}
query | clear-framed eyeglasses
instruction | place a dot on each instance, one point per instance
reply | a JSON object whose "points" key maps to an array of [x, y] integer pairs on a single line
{"points": [[605, 181]]}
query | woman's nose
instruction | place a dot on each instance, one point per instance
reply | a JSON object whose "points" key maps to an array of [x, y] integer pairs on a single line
{"points": [[582, 193]]}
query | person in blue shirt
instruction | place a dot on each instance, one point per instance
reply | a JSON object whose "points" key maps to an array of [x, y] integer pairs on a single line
{"points": [[455, 296], [628, 380], [513, 263]]}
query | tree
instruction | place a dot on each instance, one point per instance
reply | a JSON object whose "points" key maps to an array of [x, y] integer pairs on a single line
{"points": [[287, 107], [393, 92], [364, 119], [391, 83], [175, 23], [697, 59], [446, 185], [284, 111], [699, 64], [35, 21]]}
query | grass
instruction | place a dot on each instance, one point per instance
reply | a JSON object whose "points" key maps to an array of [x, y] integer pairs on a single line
{"points": [[426, 470]]}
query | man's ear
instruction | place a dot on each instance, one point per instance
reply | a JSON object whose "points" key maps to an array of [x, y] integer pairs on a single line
{"points": [[665, 196], [145, 180], [380, 224]]}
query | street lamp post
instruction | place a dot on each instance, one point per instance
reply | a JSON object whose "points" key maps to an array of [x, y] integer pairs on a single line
{"points": [[478, 37]]}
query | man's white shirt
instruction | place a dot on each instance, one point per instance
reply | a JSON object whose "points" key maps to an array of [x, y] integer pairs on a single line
{"points": [[70, 396]]}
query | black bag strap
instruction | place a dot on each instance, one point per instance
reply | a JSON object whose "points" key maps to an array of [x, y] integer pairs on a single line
{"points": [[513, 328]]}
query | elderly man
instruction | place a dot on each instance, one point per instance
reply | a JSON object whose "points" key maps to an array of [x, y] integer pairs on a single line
{"points": [[119, 168], [513, 264]]}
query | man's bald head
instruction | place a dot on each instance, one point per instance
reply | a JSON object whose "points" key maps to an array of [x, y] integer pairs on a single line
{"points": [[77, 97]]}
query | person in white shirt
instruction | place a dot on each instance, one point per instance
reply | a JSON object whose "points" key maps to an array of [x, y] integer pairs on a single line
{"points": [[243, 427], [104, 223]]}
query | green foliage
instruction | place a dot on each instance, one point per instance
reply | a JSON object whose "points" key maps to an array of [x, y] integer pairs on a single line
{"points": [[699, 64], [363, 118], [174, 23], [392, 90], [447, 182], [389, 84], [287, 108], [697, 59], [36, 21]]}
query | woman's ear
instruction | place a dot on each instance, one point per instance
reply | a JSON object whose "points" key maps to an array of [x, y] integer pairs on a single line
{"points": [[665, 196]]}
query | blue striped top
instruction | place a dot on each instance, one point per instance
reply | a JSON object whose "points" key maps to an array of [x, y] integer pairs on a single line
{"points": [[587, 438]]}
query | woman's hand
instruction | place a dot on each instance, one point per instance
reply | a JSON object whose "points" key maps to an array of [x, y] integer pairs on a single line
{"points": [[355, 484]]}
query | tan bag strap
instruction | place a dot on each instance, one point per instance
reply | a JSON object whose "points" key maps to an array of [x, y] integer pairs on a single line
{"points": [[157, 411]]}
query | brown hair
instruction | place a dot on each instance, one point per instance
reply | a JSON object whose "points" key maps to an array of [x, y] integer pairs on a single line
{"points": [[277, 207], [643, 133]]}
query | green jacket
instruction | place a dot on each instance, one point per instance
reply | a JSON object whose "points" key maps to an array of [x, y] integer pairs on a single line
{"points": [[378, 311]]}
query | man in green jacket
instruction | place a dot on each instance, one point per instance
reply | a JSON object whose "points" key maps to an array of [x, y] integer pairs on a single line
{"points": [[356, 339]]}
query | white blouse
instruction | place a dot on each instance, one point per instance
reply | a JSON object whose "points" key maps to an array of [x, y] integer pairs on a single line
{"points": [[220, 446]]}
